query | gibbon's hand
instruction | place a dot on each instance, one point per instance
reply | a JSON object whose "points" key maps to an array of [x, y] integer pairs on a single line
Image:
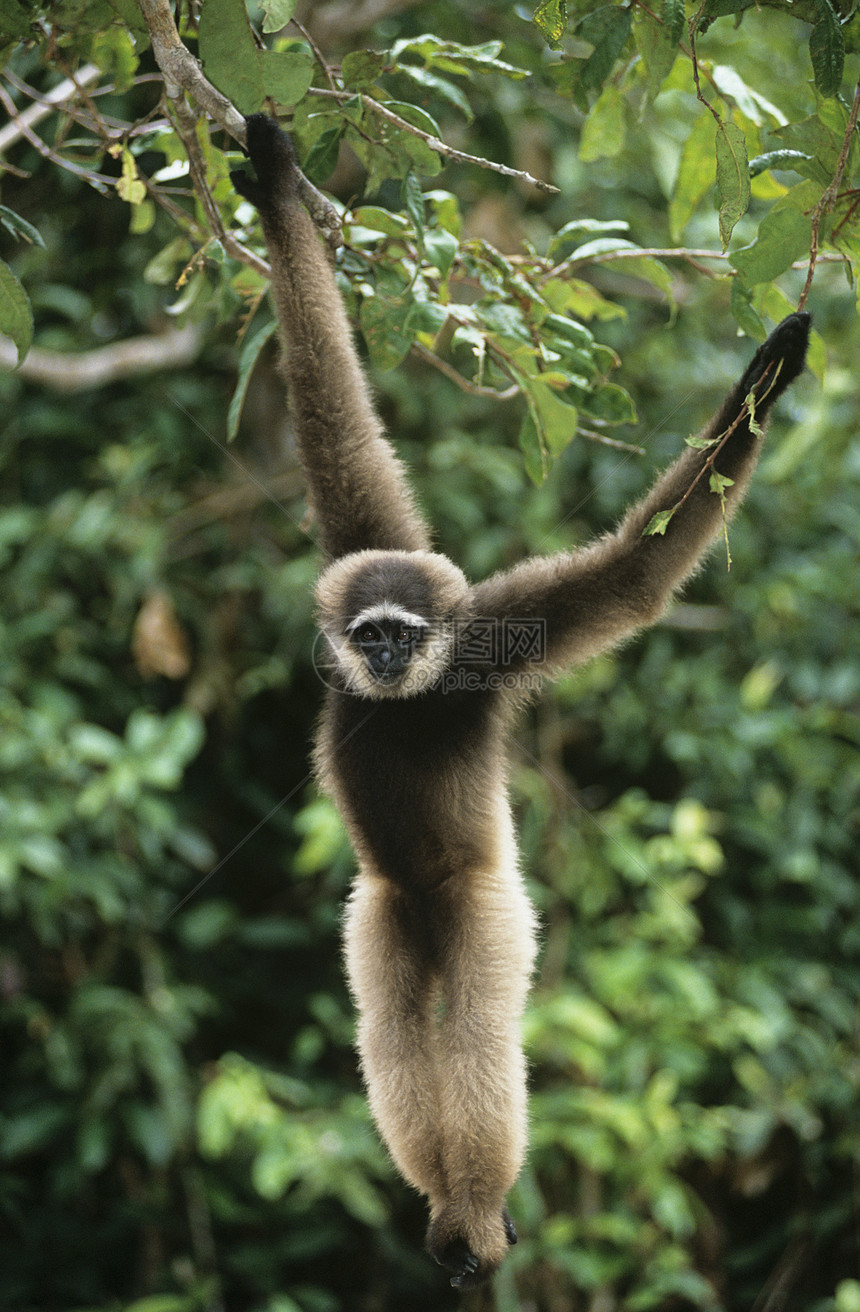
{"points": [[779, 360], [274, 159]]}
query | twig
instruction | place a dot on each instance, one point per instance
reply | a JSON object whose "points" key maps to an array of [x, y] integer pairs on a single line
{"points": [[828, 196], [318, 54], [100, 181], [465, 385], [441, 147], [53, 99], [720, 442]]}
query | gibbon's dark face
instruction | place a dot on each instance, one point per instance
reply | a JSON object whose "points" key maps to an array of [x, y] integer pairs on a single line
{"points": [[389, 618], [388, 640]]}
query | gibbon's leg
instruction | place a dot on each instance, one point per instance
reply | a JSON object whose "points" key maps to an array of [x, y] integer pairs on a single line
{"points": [[394, 988], [485, 979], [592, 598], [356, 484]]}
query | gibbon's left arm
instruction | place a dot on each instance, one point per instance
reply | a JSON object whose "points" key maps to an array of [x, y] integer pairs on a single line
{"points": [[356, 484], [593, 598]]}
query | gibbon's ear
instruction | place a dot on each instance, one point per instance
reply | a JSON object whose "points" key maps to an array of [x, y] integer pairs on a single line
{"points": [[274, 159]]}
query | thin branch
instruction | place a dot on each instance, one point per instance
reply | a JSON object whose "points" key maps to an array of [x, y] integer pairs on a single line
{"points": [[465, 385], [100, 181], [441, 147], [53, 99], [829, 196], [318, 54]]}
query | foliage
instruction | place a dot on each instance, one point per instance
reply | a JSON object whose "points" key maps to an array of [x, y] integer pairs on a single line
{"points": [[181, 1124]]}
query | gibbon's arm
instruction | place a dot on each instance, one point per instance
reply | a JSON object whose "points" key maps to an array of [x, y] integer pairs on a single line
{"points": [[591, 599], [356, 484]]}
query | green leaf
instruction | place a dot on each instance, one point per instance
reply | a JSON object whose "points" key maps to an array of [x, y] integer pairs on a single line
{"points": [[612, 404], [361, 68], [377, 219], [783, 237], [413, 200], [277, 14], [384, 327], [744, 311], [16, 317], [607, 30], [287, 74], [696, 174], [733, 177], [551, 17], [248, 356], [426, 317], [452, 57], [18, 227], [555, 419], [658, 48], [658, 523], [779, 159], [605, 129], [827, 50], [323, 154], [229, 56], [441, 249], [441, 86], [674, 18], [535, 459]]}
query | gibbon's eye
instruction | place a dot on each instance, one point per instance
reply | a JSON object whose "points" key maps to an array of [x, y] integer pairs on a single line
{"points": [[406, 635], [367, 633]]}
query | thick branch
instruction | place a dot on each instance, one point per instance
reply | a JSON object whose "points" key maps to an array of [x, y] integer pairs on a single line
{"points": [[75, 372]]}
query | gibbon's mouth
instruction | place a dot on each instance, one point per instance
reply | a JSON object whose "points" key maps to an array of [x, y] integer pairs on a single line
{"points": [[387, 676]]}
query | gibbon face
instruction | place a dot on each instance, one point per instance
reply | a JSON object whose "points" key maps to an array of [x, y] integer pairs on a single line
{"points": [[389, 619]]}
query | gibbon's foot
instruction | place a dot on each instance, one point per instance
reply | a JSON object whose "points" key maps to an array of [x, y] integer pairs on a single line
{"points": [[786, 348], [456, 1255], [271, 153]]}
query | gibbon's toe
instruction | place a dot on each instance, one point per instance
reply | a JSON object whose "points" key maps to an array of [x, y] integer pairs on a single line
{"points": [[471, 1258]]}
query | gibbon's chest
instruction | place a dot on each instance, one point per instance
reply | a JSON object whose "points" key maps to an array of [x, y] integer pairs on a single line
{"points": [[418, 780]]}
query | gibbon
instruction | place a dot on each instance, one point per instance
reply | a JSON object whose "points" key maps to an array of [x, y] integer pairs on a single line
{"points": [[440, 936]]}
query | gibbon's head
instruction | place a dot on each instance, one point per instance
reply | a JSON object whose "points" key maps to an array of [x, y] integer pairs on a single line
{"points": [[389, 619]]}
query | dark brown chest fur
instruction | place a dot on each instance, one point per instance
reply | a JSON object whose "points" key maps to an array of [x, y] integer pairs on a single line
{"points": [[417, 779]]}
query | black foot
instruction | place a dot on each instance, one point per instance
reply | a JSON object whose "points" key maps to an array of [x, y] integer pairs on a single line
{"points": [[510, 1231]]}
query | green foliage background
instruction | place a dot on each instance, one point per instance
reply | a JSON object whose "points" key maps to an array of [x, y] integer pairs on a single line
{"points": [[182, 1125]]}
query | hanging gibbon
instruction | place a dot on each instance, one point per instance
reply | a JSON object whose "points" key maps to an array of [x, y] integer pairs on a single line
{"points": [[439, 933]]}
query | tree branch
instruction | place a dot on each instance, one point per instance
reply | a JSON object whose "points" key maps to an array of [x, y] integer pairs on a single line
{"points": [[181, 71], [64, 371], [829, 195], [435, 143]]}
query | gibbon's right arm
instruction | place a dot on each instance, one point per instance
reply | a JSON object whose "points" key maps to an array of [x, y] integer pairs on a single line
{"points": [[356, 484], [593, 598]]}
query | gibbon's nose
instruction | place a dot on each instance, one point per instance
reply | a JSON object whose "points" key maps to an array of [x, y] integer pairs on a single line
{"points": [[384, 655]]}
